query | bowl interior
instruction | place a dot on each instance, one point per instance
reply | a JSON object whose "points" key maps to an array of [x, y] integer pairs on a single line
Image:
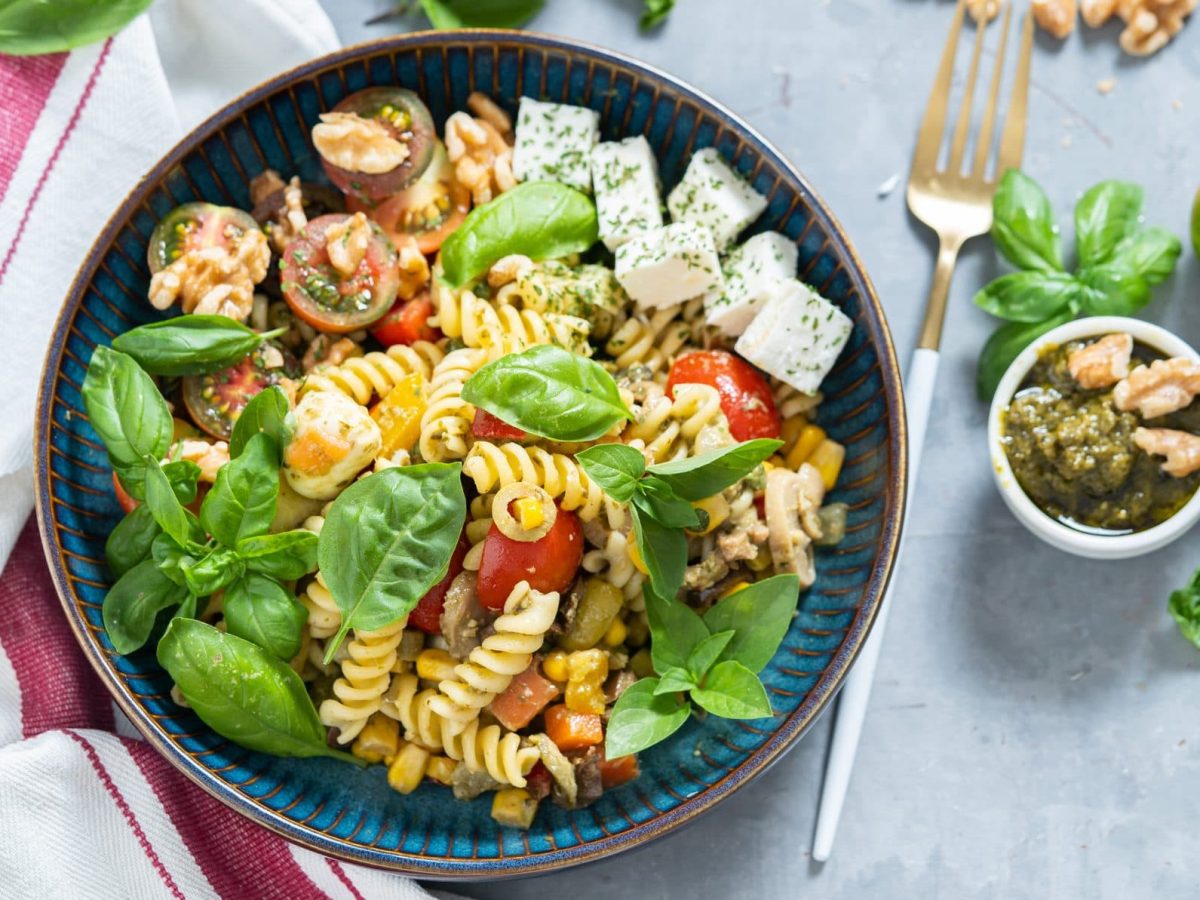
{"points": [[332, 807]]}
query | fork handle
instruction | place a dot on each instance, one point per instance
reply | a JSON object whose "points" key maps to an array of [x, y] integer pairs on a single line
{"points": [[939, 291]]}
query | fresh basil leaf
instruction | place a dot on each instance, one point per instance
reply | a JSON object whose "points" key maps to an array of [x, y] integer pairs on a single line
{"points": [[697, 477], [654, 13], [188, 609], [213, 571], [242, 692], [190, 345], [538, 219], [388, 539], [705, 653], [480, 13], [732, 691], [35, 27], [664, 552], [172, 559], [258, 609], [674, 681], [132, 604], [1184, 606], [1005, 345], [549, 391], [182, 473], [759, 615], [125, 409], [1105, 216], [290, 555], [1023, 226], [168, 512], [130, 541], [1150, 253], [655, 499], [1028, 296], [615, 467], [640, 719], [242, 502], [675, 631], [266, 413], [1112, 290]]}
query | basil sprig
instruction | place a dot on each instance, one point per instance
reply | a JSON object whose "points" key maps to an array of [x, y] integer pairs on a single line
{"points": [[191, 344], [660, 497], [1184, 606], [266, 412], [32, 27], [549, 391], [1119, 261], [538, 219], [712, 661]]}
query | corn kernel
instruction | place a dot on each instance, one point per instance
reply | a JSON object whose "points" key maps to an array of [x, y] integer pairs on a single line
{"points": [[529, 512], [514, 807], [810, 438], [740, 586], [441, 769], [379, 739], [761, 562], [554, 666], [435, 665], [408, 768], [635, 557], [616, 633], [828, 460], [717, 510]]}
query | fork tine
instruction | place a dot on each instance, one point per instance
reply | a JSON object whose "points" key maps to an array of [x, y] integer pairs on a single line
{"points": [[959, 144], [929, 137], [1012, 142], [983, 148]]}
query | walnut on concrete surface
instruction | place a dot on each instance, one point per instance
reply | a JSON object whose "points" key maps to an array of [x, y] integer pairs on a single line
{"points": [[480, 149], [355, 144], [1149, 24], [1181, 449], [1103, 363], [214, 280], [983, 10], [347, 242], [1164, 386], [1056, 17]]}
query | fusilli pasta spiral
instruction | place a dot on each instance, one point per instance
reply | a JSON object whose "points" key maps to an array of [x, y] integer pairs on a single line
{"points": [[667, 428], [366, 672], [652, 341], [613, 563], [491, 466], [446, 422], [362, 377], [324, 617], [501, 328]]}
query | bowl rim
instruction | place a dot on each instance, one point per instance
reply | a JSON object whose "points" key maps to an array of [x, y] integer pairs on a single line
{"points": [[637, 835], [1053, 532]]}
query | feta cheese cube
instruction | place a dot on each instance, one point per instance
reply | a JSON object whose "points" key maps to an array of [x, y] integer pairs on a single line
{"points": [[752, 270], [796, 336], [625, 178], [669, 265], [713, 195], [554, 143]]}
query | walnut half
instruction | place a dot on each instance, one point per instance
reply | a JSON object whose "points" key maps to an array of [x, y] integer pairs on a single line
{"points": [[1103, 363], [1181, 449], [356, 144], [1149, 24], [1056, 17], [1164, 386]]}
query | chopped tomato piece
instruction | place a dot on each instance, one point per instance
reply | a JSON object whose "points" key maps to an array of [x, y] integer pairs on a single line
{"points": [[573, 730], [614, 772], [525, 697], [407, 322], [548, 564], [428, 612], [128, 504], [490, 427], [746, 397]]}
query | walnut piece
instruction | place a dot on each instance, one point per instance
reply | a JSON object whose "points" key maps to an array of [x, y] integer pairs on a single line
{"points": [[481, 156], [263, 185], [1149, 24], [355, 144], [1164, 386], [1181, 449], [347, 242], [414, 268], [213, 280], [1056, 17], [325, 352], [983, 10], [1103, 363]]}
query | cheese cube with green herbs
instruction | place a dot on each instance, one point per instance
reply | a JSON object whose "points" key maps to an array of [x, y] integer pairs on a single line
{"points": [[752, 270], [669, 265], [554, 143], [713, 195], [625, 179], [796, 336]]}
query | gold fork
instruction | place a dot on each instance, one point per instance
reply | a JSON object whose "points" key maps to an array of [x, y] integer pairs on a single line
{"points": [[958, 207]]}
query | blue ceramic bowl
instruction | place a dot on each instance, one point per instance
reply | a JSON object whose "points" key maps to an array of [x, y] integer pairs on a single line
{"points": [[334, 808]]}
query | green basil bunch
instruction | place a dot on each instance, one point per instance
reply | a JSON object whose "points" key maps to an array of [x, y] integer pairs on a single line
{"points": [[1119, 260], [712, 659]]}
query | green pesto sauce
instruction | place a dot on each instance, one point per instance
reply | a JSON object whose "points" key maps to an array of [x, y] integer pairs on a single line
{"points": [[1073, 454]]}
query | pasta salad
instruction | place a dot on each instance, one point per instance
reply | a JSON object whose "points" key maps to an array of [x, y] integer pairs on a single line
{"points": [[483, 463]]}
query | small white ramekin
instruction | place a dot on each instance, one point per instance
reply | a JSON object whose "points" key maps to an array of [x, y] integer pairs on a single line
{"points": [[1053, 532]]}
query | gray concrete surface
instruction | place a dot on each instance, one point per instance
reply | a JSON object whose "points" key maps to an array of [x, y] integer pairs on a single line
{"points": [[1033, 729]]}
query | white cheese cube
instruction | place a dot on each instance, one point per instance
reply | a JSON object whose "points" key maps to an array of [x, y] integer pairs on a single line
{"points": [[713, 195], [625, 178], [752, 270], [796, 336], [669, 265], [554, 143]]}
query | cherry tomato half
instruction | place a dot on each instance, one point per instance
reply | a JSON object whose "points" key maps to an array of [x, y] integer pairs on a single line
{"points": [[328, 300], [429, 210], [427, 614], [408, 119], [128, 504], [215, 400], [745, 395], [490, 427], [195, 226], [407, 322], [548, 564]]}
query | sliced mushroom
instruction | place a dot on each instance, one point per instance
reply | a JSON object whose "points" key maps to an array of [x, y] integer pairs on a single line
{"points": [[790, 545]]}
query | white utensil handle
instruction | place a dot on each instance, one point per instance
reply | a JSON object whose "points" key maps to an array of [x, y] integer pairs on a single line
{"points": [[856, 692]]}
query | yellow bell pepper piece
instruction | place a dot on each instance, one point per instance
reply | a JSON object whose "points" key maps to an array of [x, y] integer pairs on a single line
{"points": [[399, 414], [717, 510], [806, 444], [530, 513]]}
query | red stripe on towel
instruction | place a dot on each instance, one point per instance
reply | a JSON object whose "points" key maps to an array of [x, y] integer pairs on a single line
{"points": [[344, 878], [25, 86]]}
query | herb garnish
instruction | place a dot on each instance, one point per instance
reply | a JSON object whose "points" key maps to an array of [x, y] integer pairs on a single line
{"points": [[191, 344]]}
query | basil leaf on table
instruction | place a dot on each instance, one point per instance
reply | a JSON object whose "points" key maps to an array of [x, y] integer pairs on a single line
{"points": [[126, 410], [266, 413], [260, 610], [242, 692], [1112, 289], [242, 501], [129, 543], [33, 27], [1184, 606], [1028, 296], [387, 540], [759, 615], [615, 467], [538, 219], [1104, 216], [663, 551], [654, 13], [1023, 226], [1005, 345], [674, 681], [655, 499], [190, 344], [707, 652], [292, 554], [168, 512], [1150, 253], [732, 691], [640, 719], [480, 13], [182, 473], [213, 571], [132, 604], [697, 477], [549, 391], [675, 631]]}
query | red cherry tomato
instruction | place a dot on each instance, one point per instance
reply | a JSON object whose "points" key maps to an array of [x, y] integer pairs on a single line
{"points": [[428, 612], [407, 322], [548, 564], [216, 399], [128, 504], [489, 427], [196, 226], [745, 395]]}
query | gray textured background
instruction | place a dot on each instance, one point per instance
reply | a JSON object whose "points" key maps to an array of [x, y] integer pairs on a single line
{"points": [[1033, 729]]}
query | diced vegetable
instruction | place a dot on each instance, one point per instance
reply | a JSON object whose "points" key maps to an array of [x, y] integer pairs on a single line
{"points": [[599, 605], [614, 772], [809, 439], [586, 673], [573, 730], [435, 664], [526, 696], [379, 740], [399, 414], [828, 459], [408, 768], [441, 769], [514, 807], [554, 666]]}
